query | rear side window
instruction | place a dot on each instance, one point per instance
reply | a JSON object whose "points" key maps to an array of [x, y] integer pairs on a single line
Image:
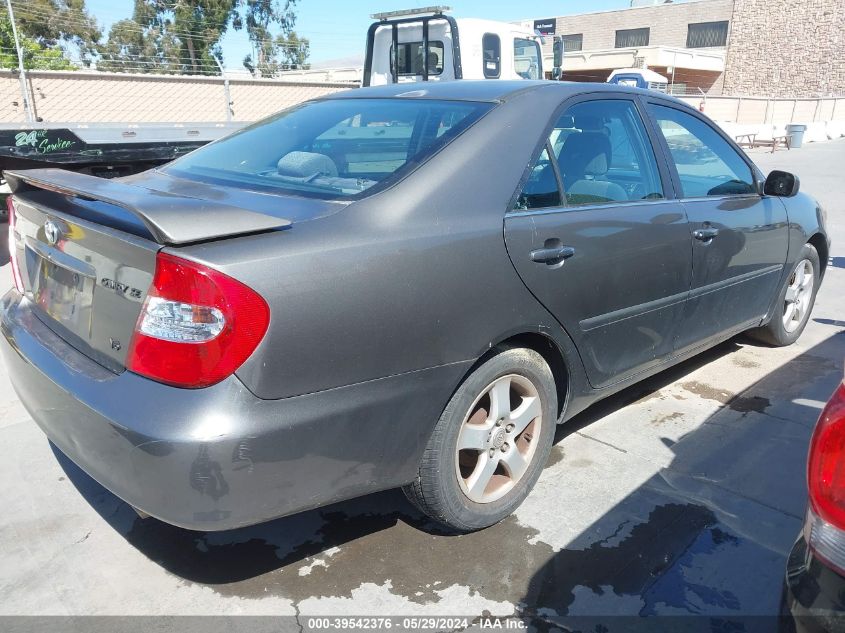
{"points": [[541, 189], [707, 165], [492, 47], [331, 149], [604, 154], [411, 58]]}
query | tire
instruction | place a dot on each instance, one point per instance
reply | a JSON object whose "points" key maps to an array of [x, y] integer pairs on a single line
{"points": [[450, 485], [780, 331]]}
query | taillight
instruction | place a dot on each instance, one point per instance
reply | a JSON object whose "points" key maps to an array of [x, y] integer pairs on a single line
{"points": [[13, 251], [197, 325], [825, 529]]}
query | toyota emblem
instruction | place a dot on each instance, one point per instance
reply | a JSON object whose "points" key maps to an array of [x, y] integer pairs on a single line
{"points": [[51, 232]]}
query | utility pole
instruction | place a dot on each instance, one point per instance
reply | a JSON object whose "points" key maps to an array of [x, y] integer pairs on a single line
{"points": [[27, 106], [227, 95]]}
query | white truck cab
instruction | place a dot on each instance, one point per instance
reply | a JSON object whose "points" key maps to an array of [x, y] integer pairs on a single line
{"points": [[427, 45]]}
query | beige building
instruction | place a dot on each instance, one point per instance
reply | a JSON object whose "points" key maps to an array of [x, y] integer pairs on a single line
{"points": [[778, 48], [685, 41], [785, 48]]}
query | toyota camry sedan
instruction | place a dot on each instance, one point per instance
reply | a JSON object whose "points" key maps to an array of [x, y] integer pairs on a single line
{"points": [[389, 288]]}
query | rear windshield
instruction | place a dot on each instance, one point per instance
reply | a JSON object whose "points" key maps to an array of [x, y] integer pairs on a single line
{"points": [[338, 148]]}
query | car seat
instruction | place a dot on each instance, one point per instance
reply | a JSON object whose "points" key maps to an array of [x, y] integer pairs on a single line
{"points": [[584, 162]]}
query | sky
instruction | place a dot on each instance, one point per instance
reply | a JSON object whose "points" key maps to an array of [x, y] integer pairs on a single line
{"points": [[337, 28]]}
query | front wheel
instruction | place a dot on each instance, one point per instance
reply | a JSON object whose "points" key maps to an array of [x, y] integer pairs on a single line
{"points": [[795, 301], [491, 443]]}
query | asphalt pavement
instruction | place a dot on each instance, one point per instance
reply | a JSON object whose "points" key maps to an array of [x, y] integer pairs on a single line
{"points": [[681, 495]]}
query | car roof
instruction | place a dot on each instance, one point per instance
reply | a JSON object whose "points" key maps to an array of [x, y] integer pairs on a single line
{"points": [[481, 90]]}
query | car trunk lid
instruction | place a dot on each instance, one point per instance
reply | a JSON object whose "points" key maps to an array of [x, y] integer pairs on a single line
{"points": [[86, 250]]}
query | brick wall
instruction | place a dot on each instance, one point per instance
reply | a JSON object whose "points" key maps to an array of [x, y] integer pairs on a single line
{"points": [[783, 48], [668, 22], [64, 97]]}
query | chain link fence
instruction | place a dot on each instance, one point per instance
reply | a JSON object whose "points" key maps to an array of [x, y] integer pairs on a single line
{"points": [[98, 97]]}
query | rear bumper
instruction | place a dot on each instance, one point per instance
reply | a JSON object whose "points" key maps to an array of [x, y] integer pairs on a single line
{"points": [[814, 594], [219, 458]]}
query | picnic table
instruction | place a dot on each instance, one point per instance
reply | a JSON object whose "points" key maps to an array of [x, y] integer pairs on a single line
{"points": [[750, 140]]}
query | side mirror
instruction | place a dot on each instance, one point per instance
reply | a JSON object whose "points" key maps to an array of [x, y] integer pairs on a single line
{"points": [[782, 184], [557, 52]]}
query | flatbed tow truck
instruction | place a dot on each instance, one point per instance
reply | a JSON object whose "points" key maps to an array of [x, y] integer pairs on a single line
{"points": [[427, 44]]}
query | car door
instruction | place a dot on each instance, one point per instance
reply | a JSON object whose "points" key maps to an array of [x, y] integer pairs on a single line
{"points": [[738, 237], [598, 239]]}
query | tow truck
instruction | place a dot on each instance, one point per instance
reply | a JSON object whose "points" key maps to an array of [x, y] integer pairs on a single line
{"points": [[427, 44]]}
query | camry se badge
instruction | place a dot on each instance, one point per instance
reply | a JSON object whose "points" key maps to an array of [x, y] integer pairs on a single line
{"points": [[120, 288]]}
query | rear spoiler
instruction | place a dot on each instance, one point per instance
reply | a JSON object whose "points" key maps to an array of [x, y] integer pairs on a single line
{"points": [[171, 219]]}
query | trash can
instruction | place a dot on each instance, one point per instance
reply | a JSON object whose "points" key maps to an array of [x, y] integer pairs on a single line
{"points": [[795, 131]]}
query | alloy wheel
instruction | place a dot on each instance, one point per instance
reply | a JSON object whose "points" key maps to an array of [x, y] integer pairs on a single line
{"points": [[497, 443], [799, 294]]}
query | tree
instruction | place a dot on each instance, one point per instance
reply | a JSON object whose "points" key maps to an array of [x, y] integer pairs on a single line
{"points": [[197, 25], [57, 25], [184, 36], [283, 51], [35, 56], [294, 51], [132, 48]]}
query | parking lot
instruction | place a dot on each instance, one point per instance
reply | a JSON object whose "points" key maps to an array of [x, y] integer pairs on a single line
{"points": [[680, 495]]}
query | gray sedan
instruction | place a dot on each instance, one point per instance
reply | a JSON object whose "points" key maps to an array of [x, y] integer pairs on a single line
{"points": [[387, 287]]}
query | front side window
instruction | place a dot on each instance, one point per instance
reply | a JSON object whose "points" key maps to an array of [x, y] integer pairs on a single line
{"points": [[707, 165], [526, 58], [604, 154], [411, 58], [333, 148], [628, 38], [491, 46]]}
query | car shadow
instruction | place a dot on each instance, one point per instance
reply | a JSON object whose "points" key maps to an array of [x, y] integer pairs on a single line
{"points": [[833, 322], [667, 544], [647, 388], [232, 556], [709, 532]]}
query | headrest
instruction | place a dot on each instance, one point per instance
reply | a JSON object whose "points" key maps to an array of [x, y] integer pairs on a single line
{"points": [[585, 154], [306, 165], [589, 123]]}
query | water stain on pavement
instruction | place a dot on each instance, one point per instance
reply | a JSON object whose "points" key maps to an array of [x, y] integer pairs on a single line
{"points": [[637, 564], [737, 402], [375, 545], [666, 418], [556, 456], [381, 538], [745, 363], [357, 542]]}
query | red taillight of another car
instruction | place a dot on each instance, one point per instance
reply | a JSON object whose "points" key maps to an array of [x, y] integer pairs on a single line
{"points": [[13, 256], [825, 525], [197, 325]]}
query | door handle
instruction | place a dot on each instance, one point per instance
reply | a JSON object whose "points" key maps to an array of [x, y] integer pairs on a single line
{"points": [[706, 234], [552, 255]]}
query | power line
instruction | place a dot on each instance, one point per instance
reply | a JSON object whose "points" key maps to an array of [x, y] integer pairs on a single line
{"points": [[26, 11]]}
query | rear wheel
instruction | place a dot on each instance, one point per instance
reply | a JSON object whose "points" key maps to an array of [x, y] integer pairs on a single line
{"points": [[795, 302], [490, 444]]}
